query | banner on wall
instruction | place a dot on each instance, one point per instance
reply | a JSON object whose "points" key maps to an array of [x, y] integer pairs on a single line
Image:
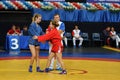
{"points": [[54, 0], [118, 1], [66, 0]]}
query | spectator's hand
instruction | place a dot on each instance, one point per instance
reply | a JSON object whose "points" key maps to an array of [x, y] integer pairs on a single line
{"points": [[35, 37], [79, 37], [76, 37], [12, 34]]}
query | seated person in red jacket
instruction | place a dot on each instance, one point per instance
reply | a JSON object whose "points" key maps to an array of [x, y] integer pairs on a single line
{"points": [[13, 31], [54, 37], [18, 30]]}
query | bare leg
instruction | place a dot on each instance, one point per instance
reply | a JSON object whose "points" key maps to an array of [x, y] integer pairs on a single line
{"points": [[52, 60], [32, 49], [59, 57], [37, 48], [49, 59]]}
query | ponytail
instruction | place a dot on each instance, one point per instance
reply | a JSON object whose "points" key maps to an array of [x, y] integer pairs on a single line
{"points": [[35, 16]]}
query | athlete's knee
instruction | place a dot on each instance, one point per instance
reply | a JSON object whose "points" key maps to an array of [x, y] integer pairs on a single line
{"points": [[34, 56]]}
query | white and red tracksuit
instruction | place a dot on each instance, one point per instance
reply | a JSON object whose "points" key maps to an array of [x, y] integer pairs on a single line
{"points": [[76, 35], [114, 36]]}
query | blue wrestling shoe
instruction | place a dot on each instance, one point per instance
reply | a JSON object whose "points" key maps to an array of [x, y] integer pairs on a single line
{"points": [[74, 46], [30, 69], [79, 46], [59, 69], [39, 70], [47, 70], [50, 69], [63, 72]]}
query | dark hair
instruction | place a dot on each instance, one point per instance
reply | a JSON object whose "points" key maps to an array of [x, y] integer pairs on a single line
{"points": [[24, 26], [55, 23], [57, 14]]}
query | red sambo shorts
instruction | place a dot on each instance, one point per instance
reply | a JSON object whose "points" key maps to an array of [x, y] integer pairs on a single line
{"points": [[57, 49]]}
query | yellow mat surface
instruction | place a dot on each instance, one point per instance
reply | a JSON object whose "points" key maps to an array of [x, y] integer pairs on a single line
{"points": [[77, 70]]}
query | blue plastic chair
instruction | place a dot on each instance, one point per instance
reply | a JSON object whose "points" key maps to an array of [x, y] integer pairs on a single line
{"points": [[68, 35], [96, 38], [85, 37]]}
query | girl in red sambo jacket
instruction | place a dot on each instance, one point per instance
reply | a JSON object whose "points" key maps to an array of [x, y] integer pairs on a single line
{"points": [[54, 37]]}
